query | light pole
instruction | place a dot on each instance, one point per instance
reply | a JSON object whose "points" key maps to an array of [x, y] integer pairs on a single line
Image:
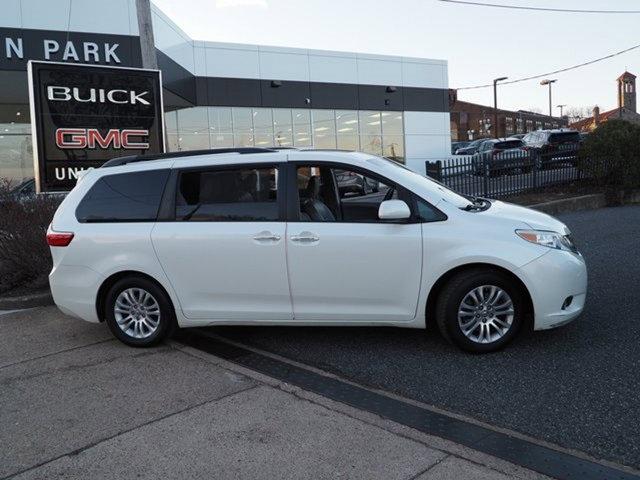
{"points": [[549, 82], [561, 107], [495, 105]]}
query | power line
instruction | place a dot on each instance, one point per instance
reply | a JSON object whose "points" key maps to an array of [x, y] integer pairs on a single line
{"points": [[561, 70], [540, 9]]}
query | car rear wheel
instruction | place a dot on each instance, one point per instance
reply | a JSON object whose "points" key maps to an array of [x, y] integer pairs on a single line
{"points": [[480, 311], [138, 312]]}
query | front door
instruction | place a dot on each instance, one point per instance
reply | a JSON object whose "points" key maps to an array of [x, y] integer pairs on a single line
{"points": [[344, 263], [225, 252]]}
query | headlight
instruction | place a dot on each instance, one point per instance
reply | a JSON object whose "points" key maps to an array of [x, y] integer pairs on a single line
{"points": [[549, 239]]}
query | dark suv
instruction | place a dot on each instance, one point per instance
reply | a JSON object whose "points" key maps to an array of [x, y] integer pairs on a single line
{"points": [[553, 146]]}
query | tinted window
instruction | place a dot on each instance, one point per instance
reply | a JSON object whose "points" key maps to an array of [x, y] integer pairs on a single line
{"points": [[564, 137], [242, 195], [509, 144], [126, 197]]}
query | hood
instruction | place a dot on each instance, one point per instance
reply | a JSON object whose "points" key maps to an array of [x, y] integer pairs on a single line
{"points": [[532, 218]]}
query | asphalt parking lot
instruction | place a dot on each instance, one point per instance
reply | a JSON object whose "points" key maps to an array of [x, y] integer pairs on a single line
{"points": [[576, 386]]}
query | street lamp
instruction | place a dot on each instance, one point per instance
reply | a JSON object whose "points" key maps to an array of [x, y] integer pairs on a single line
{"points": [[495, 104], [561, 107], [549, 82]]}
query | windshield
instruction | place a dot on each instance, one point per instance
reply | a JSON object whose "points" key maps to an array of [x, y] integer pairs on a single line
{"points": [[445, 192]]}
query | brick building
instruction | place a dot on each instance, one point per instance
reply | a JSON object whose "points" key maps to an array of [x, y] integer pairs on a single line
{"points": [[626, 109], [471, 120]]}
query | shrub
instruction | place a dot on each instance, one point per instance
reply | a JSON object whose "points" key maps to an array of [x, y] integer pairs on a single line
{"points": [[611, 155], [25, 259]]}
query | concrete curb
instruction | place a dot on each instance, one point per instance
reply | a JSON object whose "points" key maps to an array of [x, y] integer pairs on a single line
{"points": [[587, 202], [573, 204], [39, 299]]}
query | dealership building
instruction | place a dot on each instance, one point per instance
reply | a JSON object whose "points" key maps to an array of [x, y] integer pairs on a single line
{"points": [[223, 94]]}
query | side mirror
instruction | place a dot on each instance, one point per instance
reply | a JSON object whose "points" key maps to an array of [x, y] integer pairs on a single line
{"points": [[394, 210]]}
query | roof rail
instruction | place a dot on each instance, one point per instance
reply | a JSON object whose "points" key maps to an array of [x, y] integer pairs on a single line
{"points": [[114, 162]]}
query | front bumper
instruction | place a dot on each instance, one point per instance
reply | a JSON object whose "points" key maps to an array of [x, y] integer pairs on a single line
{"points": [[557, 283]]}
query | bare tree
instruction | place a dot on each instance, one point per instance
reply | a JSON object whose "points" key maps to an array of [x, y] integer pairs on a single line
{"points": [[576, 114]]}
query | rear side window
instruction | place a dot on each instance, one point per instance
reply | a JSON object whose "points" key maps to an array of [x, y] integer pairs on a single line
{"points": [[125, 197], [564, 137], [242, 195], [509, 144]]}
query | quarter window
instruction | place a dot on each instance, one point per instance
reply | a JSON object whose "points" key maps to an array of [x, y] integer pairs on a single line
{"points": [[241, 195], [126, 197]]}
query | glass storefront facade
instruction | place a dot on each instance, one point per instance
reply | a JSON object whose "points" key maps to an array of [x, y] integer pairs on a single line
{"points": [[376, 132], [16, 151]]}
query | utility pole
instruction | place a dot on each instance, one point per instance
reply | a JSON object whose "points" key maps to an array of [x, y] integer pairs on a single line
{"points": [[549, 82], [495, 104]]}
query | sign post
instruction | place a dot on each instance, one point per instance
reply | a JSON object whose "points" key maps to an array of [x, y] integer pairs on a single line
{"points": [[84, 115]]}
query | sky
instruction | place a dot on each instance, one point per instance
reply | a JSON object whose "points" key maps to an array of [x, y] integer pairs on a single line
{"points": [[479, 43]]}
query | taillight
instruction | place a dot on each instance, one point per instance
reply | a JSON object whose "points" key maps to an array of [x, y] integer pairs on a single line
{"points": [[59, 239]]}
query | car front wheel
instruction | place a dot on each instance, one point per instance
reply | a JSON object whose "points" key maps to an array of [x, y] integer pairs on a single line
{"points": [[480, 311], [138, 312]]}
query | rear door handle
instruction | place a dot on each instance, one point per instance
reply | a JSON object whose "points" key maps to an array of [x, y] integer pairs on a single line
{"points": [[305, 237], [266, 236]]}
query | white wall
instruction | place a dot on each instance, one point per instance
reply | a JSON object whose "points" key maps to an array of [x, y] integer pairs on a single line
{"points": [[118, 18]]}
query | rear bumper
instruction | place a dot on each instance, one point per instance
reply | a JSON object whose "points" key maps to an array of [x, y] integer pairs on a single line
{"points": [[75, 290], [557, 283]]}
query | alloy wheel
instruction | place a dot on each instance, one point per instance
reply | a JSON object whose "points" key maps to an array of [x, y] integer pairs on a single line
{"points": [[485, 314], [137, 313]]}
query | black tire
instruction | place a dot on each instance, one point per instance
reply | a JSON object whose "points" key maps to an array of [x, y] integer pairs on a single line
{"points": [[166, 323], [452, 295]]}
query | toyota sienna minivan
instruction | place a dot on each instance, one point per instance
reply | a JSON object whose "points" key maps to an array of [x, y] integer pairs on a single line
{"points": [[304, 237]]}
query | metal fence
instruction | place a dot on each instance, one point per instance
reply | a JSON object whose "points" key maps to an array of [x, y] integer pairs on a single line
{"points": [[505, 173]]}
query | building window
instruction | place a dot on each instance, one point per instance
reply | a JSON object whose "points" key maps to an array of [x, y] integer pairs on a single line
{"points": [[324, 128], [16, 150], [220, 127], [379, 133]]}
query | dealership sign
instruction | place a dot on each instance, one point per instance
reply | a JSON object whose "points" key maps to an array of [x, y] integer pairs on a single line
{"points": [[84, 115]]}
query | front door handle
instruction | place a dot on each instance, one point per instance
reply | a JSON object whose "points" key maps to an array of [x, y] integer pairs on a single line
{"points": [[305, 237], [266, 236]]}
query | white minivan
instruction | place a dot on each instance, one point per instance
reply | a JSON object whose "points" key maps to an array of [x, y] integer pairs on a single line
{"points": [[254, 236]]}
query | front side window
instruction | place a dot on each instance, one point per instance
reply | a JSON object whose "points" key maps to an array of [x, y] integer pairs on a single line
{"points": [[125, 197], [339, 195], [238, 195]]}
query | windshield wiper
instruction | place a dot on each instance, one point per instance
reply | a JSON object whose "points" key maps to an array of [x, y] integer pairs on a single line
{"points": [[477, 203]]}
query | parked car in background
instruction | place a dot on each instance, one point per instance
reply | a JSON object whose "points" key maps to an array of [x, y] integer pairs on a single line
{"points": [[456, 145], [265, 237], [519, 136], [471, 148], [500, 156], [553, 146]]}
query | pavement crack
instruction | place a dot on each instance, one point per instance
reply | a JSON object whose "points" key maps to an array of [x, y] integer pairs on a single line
{"points": [[71, 349], [78, 451], [433, 465], [75, 367]]}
